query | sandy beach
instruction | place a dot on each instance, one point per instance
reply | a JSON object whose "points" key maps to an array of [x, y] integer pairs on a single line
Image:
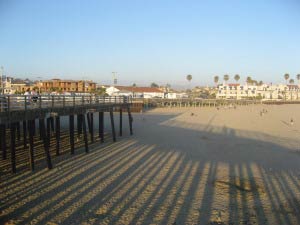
{"points": [[181, 166]]}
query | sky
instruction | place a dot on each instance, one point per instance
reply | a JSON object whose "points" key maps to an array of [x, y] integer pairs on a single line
{"points": [[148, 41]]}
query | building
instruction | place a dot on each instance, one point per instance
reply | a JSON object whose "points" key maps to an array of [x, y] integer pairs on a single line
{"points": [[265, 92], [136, 92], [59, 85], [14, 86]]}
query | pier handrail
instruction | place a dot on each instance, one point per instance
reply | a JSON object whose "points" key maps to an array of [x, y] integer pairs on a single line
{"points": [[9, 103]]}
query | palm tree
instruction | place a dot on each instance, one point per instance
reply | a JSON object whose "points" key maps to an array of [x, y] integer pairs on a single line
{"points": [[189, 77], [298, 78], [248, 80], [286, 77], [216, 80], [226, 77], [237, 77], [291, 81]]}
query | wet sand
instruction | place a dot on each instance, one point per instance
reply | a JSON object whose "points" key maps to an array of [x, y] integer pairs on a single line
{"points": [[181, 166]]}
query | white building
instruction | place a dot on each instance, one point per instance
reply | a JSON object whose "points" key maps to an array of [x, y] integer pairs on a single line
{"points": [[265, 92], [136, 92]]}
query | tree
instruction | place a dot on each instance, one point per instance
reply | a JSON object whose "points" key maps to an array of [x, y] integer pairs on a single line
{"points": [[260, 83], [134, 85], [154, 85], [298, 77], [237, 77], [291, 81], [216, 80], [189, 77], [249, 80], [226, 77], [286, 77]]}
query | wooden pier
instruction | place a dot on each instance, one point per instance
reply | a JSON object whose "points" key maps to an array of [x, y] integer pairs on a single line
{"points": [[41, 135]]}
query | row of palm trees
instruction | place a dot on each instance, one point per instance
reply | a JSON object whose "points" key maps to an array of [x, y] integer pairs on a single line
{"points": [[291, 81], [250, 81], [237, 77]]}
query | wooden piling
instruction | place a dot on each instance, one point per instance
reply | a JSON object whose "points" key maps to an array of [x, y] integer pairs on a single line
{"points": [[57, 134], [130, 120], [25, 133], [121, 124], [40, 128], [13, 147], [48, 134], [111, 113], [18, 129], [92, 126], [85, 134], [71, 128], [3, 140], [101, 126], [31, 144], [79, 125], [46, 146], [52, 124]]}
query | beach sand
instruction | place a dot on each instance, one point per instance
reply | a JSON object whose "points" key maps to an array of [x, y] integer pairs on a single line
{"points": [[181, 166]]}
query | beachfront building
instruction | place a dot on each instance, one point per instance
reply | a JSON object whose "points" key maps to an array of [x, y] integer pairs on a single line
{"points": [[14, 86], [78, 86], [265, 92], [136, 92]]}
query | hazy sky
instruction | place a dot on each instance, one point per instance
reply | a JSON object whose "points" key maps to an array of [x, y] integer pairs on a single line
{"points": [[150, 40]]}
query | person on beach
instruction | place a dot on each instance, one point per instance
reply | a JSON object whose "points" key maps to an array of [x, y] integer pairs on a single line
{"points": [[292, 121]]}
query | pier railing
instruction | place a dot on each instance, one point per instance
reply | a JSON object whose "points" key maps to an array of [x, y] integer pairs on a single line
{"points": [[9, 103]]}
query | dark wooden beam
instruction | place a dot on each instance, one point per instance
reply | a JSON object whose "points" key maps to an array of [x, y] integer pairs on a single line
{"points": [[92, 126], [31, 143], [130, 120], [57, 134], [111, 113], [121, 124], [46, 146], [25, 133], [71, 128], [85, 134], [13, 147], [101, 126], [3, 140]]}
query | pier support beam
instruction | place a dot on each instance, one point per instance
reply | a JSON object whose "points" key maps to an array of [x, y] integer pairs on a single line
{"points": [[46, 146], [121, 124], [130, 120], [71, 127], [48, 134], [3, 140], [85, 134], [18, 128], [57, 134], [13, 147], [31, 143], [79, 125], [25, 133], [101, 126], [92, 126], [111, 113]]}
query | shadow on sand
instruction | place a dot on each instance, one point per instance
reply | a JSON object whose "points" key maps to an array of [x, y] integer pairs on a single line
{"points": [[164, 174]]}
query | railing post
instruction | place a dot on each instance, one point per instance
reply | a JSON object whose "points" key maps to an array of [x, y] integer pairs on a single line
{"points": [[82, 100], [64, 101], [25, 102], [52, 101], [74, 101], [8, 104], [40, 102], [90, 99]]}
